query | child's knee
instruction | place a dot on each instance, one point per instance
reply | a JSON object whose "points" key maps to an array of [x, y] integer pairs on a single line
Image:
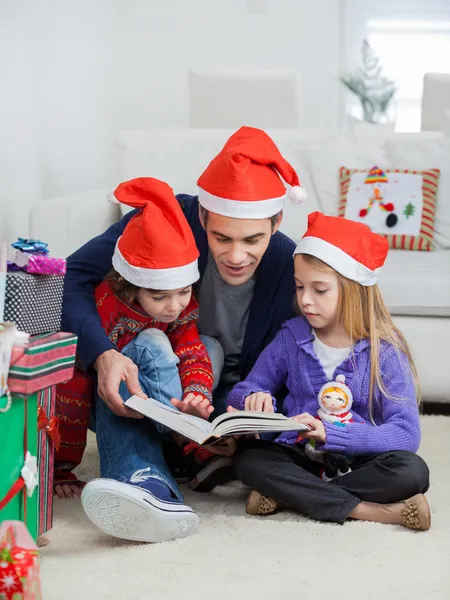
{"points": [[156, 343], [413, 472]]}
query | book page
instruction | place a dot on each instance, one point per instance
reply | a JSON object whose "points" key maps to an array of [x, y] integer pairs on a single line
{"points": [[251, 422], [192, 427]]}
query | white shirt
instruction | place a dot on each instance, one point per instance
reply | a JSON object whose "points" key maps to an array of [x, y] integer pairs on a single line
{"points": [[329, 358]]}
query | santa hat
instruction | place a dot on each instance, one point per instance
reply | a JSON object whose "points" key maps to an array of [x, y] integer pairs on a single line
{"points": [[157, 249], [243, 180], [337, 384], [350, 248]]}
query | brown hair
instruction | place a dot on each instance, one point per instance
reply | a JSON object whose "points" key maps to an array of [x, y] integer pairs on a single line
{"points": [[204, 212], [120, 286], [364, 314]]}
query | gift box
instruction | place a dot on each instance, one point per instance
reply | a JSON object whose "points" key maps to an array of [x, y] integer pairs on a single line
{"points": [[19, 563], [34, 302], [18, 460], [46, 361], [38, 264], [48, 442]]}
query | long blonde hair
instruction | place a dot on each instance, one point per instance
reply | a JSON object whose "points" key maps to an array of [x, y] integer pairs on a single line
{"points": [[365, 315]]}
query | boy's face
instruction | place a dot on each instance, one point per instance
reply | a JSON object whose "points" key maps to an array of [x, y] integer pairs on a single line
{"points": [[237, 245], [165, 305], [317, 294]]}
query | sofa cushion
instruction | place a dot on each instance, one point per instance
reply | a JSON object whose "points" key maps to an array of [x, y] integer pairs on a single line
{"points": [[398, 204], [417, 284], [426, 154]]}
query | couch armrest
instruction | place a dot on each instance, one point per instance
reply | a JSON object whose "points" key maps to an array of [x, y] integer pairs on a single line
{"points": [[67, 222]]}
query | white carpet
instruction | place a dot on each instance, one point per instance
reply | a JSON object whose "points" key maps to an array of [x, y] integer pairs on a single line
{"points": [[236, 556]]}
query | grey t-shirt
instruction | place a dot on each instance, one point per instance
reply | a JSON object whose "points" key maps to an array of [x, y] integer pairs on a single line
{"points": [[224, 310]]}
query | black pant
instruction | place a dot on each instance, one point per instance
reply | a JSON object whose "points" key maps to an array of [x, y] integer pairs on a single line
{"points": [[286, 474]]}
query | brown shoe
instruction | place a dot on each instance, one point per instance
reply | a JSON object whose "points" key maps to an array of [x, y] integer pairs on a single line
{"points": [[416, 513], [257, 504]]}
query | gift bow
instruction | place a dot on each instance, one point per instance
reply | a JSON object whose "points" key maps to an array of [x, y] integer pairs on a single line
{"points": [[28, 245], [51, 427]]}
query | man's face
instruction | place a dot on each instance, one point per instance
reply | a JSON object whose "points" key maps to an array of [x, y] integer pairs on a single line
{"points": [[237, 245]]}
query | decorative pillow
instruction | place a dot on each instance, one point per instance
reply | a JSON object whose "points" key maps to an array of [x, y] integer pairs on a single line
{"points": [[399, 204]]}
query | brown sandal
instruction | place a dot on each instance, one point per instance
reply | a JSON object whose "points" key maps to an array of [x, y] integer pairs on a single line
{"points": [[416, 513], [257, 504]]}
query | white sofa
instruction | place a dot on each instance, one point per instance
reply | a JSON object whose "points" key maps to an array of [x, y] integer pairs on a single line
{"points": [[416, 285]]}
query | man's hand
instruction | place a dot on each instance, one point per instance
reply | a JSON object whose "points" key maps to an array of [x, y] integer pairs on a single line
{"points": [[193, 404], [317, 430], [260, 401], [113, 368]]}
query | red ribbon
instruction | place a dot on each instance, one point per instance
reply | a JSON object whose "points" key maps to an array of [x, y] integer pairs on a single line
{"points": [[17, 486], [51, 427]]}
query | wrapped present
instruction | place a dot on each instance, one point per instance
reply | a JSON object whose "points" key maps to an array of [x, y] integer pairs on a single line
{"points": [[34, 302], [37, 264], [48, 442], [19, 563], [18, 472], [46, 361]]}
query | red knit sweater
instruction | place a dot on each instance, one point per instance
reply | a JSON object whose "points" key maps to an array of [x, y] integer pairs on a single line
{"points": [[123, 321]]}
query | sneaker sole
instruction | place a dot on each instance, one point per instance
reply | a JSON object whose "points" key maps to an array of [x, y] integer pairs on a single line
{"points": [[129, 513], [217, 473]]}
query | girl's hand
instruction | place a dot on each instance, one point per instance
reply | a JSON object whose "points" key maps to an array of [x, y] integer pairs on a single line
{"points": [[196, 405], [317, 429], [260, 401]]}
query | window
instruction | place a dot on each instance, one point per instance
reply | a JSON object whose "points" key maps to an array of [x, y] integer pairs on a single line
{"points": [[407, 50]]}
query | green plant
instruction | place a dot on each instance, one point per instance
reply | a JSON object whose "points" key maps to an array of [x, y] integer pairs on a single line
{"points": [[372, 88]]}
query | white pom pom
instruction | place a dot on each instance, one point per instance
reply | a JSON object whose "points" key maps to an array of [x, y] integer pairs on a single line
{"points": [[340, 378], [297, 194], [111, 198]]}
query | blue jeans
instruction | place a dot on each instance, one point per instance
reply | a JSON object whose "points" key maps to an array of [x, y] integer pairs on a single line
{"points": [[131, 449]]}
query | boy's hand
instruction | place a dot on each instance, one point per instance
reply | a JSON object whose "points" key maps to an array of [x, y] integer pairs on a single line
{"points": [[195, 405], [260, 401], [317, 429]]}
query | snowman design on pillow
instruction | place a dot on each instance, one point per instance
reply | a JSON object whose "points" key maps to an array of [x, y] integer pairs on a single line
{"points": [[377, 179], [335, 401]]}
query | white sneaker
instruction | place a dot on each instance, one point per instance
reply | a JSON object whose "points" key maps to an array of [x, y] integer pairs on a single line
{"points": [[132, 513]]}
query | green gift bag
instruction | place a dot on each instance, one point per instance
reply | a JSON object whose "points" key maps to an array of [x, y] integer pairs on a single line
{"points": [[18, 467]]}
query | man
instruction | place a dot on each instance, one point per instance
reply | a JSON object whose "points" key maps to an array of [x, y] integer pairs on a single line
{"points": [[245, 293]]}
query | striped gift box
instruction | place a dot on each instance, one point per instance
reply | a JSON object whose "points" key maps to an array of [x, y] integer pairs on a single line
{"points": [[46, 461], [48, 359]]}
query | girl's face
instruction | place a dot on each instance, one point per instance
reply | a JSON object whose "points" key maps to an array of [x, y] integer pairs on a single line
{"points": [[165, 305], [317, 294]]}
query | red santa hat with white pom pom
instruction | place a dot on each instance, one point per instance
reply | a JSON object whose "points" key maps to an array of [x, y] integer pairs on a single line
{"points": [[243, 180]]}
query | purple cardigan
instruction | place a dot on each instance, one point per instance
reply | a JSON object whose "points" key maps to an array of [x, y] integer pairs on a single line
{"points": [[290, 360]]}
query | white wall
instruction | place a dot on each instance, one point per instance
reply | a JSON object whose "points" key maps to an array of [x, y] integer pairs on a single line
{"points": [[77, 72]]}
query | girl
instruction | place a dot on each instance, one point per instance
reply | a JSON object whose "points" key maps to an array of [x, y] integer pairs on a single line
{"points": [[148, 311], [345, 329]]}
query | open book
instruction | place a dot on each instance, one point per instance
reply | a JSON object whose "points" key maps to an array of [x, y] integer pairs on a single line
{"points": [[204, 432]]}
